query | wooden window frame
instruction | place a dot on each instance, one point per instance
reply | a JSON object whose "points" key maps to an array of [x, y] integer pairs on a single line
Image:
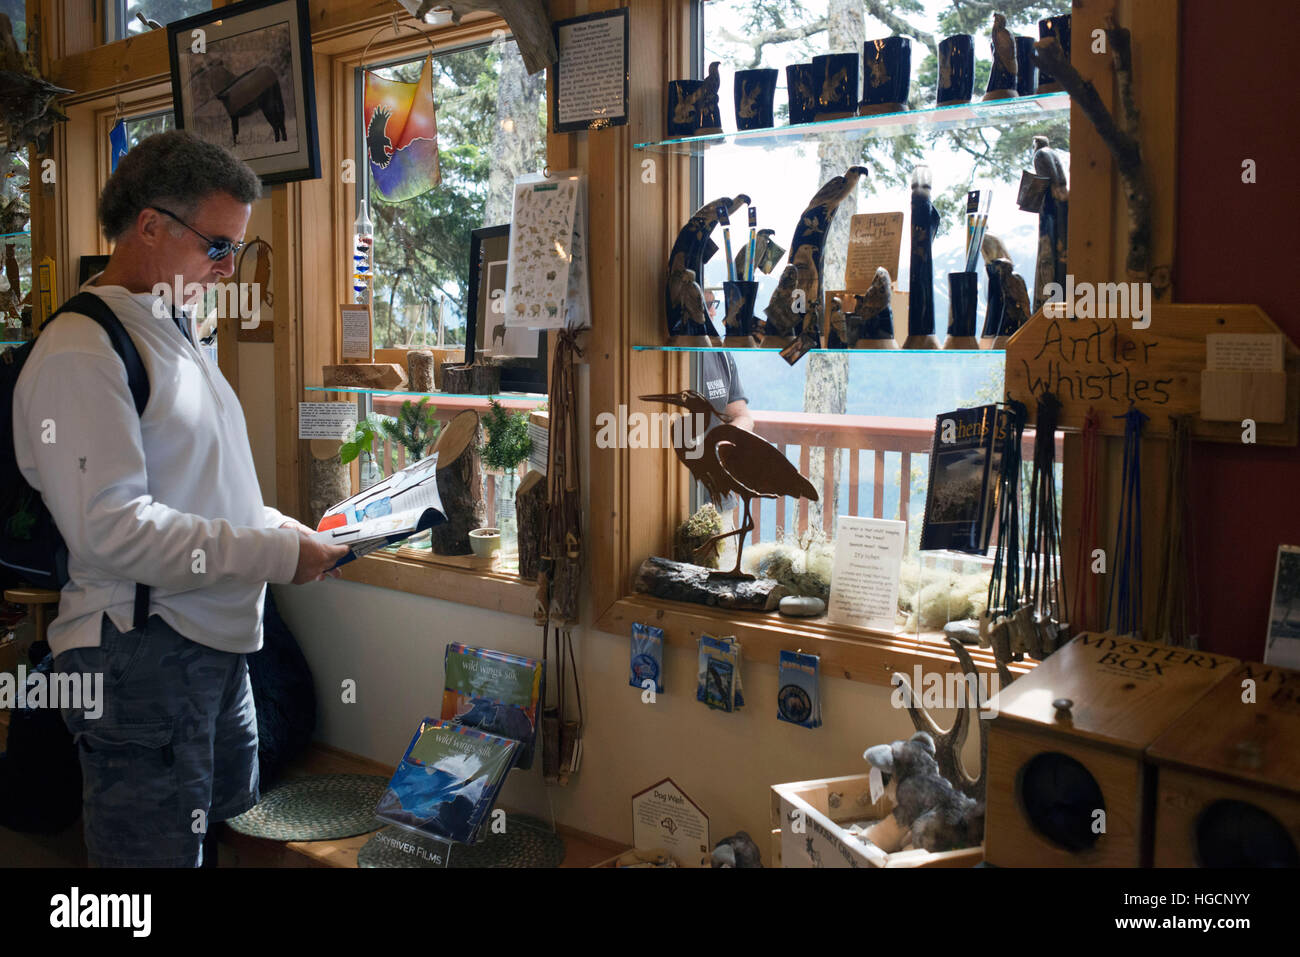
{"points": [[636, 502]]}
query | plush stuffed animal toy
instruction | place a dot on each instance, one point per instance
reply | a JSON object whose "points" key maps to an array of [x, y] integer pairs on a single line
{"points": [[929, 812]]}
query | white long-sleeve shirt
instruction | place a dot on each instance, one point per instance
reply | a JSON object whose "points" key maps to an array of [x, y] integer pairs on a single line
{"points": [[169, 498]]}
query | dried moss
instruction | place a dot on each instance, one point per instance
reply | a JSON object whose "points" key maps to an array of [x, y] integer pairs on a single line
{"points": [[693, 533]]}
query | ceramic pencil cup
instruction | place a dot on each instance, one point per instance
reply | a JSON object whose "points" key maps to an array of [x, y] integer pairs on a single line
{"points": [[755, 95], [963, 300], [1058, 27], [837, 93], [886, 76], [803, 87], [956, 69], [738, 324]]}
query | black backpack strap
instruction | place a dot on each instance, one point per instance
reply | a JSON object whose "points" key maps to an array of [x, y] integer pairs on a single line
{"points": [[88, 304]]}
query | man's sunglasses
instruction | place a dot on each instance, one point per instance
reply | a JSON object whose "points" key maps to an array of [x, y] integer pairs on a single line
{"points": [[218, 249]]}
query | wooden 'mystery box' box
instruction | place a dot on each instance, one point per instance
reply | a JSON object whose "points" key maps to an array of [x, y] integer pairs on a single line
{"points": [[1067, 781], [1228, 785]]}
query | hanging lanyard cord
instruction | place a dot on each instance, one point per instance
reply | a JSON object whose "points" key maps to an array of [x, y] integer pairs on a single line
{"points": [[1085, 582]]}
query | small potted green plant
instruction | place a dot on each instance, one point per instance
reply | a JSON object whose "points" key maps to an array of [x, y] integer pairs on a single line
{"points": [[507, 446]]}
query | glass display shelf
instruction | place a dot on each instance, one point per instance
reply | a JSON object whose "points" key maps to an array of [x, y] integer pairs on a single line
{"points": [[357, 390], [864, 352], [958, 116]]}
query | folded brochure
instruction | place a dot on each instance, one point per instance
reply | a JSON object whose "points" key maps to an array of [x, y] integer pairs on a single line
{"points": [[389, 511], [447, 781]]}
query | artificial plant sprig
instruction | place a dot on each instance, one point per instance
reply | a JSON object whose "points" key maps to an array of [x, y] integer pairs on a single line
{"points": [[508, 443], [416, 428]]}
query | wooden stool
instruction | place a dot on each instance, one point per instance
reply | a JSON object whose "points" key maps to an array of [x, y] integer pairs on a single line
{"points": [[36, 599]]}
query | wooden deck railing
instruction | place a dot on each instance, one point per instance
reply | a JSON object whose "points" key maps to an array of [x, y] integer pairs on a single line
{"points": [[801, 435]]}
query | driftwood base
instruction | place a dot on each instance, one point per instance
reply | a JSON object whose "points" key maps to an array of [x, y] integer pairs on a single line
{"points": [[676, 581], [476, 379]]}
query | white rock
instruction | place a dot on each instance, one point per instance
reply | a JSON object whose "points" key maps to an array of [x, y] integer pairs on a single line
{"points": [[802, 606]]}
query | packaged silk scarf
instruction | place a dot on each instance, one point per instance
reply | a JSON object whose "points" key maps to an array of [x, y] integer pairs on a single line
{"points": [[798, 699], [719, 674], [447, 781], [647, 656]]}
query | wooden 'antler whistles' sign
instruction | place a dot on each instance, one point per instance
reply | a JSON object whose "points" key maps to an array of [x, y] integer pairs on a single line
{"points": [[1107, 364]]}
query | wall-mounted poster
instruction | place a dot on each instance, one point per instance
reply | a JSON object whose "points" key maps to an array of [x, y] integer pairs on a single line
{"points": [[242, 78], [546, 280]]}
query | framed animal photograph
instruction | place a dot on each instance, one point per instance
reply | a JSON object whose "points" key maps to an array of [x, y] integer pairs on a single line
{"points": [[522, 352], [242, 78]]}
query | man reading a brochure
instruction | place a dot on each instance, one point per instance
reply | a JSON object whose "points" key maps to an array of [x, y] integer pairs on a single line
{"points": [[167, 499]]}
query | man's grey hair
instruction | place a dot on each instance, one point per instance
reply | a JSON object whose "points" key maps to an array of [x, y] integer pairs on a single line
{"points": [[175, 170]]}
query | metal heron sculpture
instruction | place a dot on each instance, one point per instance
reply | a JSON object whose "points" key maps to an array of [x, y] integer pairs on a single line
{"points": [[728, 460]]}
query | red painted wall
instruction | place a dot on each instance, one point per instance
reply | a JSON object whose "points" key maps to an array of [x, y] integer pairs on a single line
{"points": [[1239, 82]]}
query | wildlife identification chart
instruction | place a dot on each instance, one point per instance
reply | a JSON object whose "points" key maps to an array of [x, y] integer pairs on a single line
{"points": [[387, 512], [546, 278], [865, 574]]}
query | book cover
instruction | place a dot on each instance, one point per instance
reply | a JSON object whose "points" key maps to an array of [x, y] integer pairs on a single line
{"points": [[957, 497], [447, 781], [494, 691]]}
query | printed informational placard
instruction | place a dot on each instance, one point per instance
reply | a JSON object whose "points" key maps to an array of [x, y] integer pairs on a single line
{"points": [[864, 577], [326, 420], [591, 83], [1243, 352], [355, 319], [875, 240], [663, 816]]}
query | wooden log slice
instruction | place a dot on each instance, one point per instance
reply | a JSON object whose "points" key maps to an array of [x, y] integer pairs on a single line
{"points": [[459, 486], [530, 513]]}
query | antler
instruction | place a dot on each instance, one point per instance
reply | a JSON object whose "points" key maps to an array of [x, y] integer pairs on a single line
{"points": [[948, 744]]}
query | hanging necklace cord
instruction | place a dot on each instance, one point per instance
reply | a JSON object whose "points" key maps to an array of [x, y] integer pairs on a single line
{"points": [[1173, 625], [1124, 606], [397, 30]]}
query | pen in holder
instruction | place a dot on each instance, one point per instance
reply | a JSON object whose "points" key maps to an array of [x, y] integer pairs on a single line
{"points": [[963, 295], [738, 325]]}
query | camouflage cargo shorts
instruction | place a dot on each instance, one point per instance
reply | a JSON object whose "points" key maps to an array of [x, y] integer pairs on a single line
{"points": [[174, 751]]}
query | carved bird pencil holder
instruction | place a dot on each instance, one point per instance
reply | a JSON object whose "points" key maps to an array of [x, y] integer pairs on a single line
{"points": [[687, 312], [956, 69], [1058, 27], [1008, 303], [920, 305], [1053, 208], [1003, 73], [1026, 71], [837, 74], [727, 461], [886, 76], [795, 309], [802, 86], [755, 96], [693, 105]]}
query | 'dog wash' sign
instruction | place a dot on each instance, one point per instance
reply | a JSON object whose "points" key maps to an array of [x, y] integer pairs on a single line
{"points": [[1106, 364]]}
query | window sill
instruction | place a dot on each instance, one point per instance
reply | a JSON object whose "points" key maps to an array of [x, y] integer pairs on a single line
{"points": [[464, 584], [856, 654]]}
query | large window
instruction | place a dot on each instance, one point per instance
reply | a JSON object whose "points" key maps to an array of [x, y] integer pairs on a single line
{"points": [[878, 406], [491, 129], [122, 17]]}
